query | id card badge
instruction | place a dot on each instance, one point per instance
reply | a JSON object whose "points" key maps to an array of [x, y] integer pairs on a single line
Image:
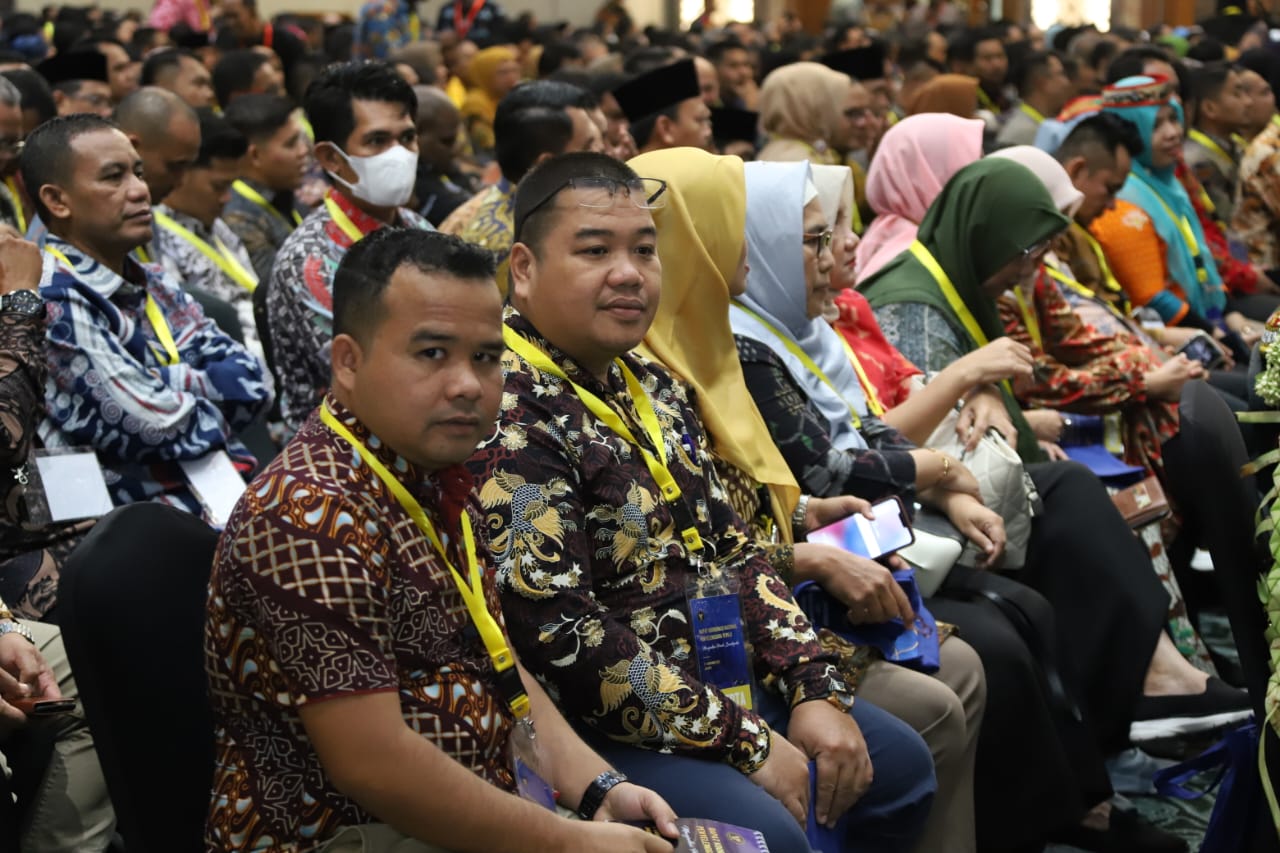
{"points": [[527, 767], [216, 483], [719, 639], [64, 484]]}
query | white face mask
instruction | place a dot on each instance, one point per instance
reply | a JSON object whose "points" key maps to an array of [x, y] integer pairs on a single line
{"points": [[384, 180]]}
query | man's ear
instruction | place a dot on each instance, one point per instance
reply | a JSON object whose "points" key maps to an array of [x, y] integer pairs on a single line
{"points": [[523, 266], [663, 129], [1076, 168], [59, 99], [345, 357], [332, 161], [54, 198]]}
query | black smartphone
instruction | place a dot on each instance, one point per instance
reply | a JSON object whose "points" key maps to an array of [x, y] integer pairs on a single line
{"points": [[1203, 349], [45, 707]]}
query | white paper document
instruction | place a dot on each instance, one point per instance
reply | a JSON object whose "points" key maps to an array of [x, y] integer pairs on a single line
{"points": [[216, 482], [73, 485]]}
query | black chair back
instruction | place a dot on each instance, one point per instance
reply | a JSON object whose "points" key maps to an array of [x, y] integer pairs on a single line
{"points": [[132, 609]]}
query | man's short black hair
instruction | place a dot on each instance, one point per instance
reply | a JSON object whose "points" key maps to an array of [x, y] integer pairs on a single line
{"points": [[36, 94], [234, 72], [1100, 135], [259, 116], [47, 158], [648, 58], [160, 63], [367, 269], [556, 54], [1030, 69], [963, 46], [1206, 82], [329, 97], [1131, 61], [219, 140], [532, 120], [535, 196], [715, 53]]}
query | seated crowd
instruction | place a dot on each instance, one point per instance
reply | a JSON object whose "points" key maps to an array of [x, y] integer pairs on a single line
{"points": [[670, 304]]}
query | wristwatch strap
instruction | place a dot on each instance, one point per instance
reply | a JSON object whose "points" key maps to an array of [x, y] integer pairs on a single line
{"points": [[599, 788], [11, 626]]}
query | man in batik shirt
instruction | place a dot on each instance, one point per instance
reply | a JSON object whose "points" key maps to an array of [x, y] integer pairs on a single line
{"points": [[192, 242], [352, 683], [594, 563], [362, 114], [136, 370], [534, 121]]}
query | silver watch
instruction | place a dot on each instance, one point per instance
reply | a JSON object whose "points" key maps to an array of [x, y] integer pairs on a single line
{"points": [[14, 627]]}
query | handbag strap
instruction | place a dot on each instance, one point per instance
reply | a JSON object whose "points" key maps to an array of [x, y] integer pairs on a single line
{"points": [[1170, 781]]}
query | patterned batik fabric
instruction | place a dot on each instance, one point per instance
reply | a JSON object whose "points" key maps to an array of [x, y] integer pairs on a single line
{"points": [[110, 386], [31, 554], [262, 231], [1257, 214], [488, 219], [1081, 369], [323, 587], [802, 434], [592, 569], [194, 269], [300, 301]]}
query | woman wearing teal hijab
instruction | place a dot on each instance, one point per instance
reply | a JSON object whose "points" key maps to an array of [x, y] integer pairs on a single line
{"points": [[989, 227], [1148, 104]]}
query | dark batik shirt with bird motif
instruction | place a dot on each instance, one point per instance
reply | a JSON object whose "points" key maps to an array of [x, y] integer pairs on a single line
{"points": [[592, 569]]}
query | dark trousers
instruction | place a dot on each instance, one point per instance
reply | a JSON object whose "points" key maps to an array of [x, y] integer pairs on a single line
{"points": [[888, 818]]}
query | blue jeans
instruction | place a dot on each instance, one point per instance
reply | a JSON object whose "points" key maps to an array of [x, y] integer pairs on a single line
{"points": [[888, 818]]}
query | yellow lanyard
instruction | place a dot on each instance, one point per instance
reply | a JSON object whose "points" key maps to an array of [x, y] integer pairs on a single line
{"points": [[1209, 142], [142, 254], [223, 257], [1188, 233], [17, 205], [873, 400], [342, 220], [657, 465], [809, 363], [1035, 114], [203, 11], [948, 289], [249, 193], [1028, 316], [471, 588], [154, 316], [415, 27], [1109, 281], [984, 100]]}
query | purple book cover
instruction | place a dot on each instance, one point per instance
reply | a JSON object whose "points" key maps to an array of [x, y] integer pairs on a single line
{"points": [[712, 836]]}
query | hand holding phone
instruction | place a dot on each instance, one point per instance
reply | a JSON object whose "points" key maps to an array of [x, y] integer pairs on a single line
{"points": [[887, 531], [44, 707]]}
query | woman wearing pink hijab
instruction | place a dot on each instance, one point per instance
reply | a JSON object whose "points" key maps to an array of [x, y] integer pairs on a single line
{"points": [[916, 158]]}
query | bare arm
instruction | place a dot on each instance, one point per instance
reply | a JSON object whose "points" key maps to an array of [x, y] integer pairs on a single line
{"points": [[404, 780]]}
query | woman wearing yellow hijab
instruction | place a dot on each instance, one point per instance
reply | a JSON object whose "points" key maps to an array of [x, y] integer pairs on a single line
{"points": [[494, 72], [701, 233]]}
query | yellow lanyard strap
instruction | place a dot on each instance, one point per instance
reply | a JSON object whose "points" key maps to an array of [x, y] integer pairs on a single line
{"points": [[873, 399], [18, 212], [1032, 112], [250, 194], [1210, 143], [657, 465], [809, 363], [1028, 316], [343, 221], [1109, 279], [471, 588], [142, 254], [1184, 226], [923, 255], [223, 257], [154, 315]]}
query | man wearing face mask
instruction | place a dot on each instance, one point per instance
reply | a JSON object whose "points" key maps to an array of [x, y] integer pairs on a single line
{"points": [[366, 141]]}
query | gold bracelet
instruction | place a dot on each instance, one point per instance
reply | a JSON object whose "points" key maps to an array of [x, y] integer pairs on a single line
{"points": [[946, 465]]}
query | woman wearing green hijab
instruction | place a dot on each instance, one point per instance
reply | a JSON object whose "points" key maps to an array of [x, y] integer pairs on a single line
{"points": [[991, 226]]}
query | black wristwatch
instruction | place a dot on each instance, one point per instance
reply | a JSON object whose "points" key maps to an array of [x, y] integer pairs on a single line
{"points": [[599, 788], [22, 302]]}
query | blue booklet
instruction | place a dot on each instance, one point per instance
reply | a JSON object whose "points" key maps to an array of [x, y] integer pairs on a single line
{"points": [[1099, 460]]}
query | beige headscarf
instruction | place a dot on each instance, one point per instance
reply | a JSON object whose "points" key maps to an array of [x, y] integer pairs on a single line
{"points": [[800, 104]]}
